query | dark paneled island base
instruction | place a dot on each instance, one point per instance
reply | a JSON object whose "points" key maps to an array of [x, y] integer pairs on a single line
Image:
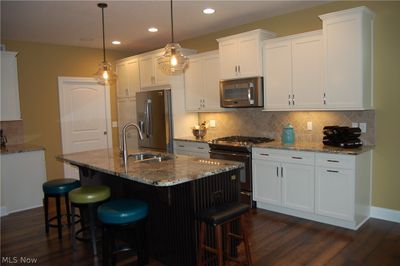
{"points": [[171, 227]]}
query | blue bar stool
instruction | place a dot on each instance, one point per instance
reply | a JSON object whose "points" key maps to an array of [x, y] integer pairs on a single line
{"points": [[217, 217], [123, 215], [56, 189], [87, 198]]}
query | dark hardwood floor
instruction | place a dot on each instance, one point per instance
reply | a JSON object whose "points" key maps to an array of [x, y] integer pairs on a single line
{"points": [[275, 239]]}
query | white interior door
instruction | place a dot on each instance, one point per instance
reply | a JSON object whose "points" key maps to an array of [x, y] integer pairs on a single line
{"points": [[85, 117]]}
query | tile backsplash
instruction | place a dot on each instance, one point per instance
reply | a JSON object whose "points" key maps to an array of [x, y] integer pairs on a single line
{"points": [[13, 130], [255, 122]]}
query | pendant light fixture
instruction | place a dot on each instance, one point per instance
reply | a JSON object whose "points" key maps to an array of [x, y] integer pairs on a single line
{"points": [[172, 62], [105, 74]]}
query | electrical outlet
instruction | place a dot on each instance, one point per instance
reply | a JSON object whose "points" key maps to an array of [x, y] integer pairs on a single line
{"points": [[114, 124], [363, 127], [354, 124], [213, 123], [309, 125]]}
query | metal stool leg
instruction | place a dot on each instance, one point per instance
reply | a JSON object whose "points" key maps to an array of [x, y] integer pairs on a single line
{"points": [[92, 225], [67, 206], [73, 240], [59, 226], [46, 212]]}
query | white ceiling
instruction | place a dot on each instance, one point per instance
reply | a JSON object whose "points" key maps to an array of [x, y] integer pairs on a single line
{"points": [[78, 23]]}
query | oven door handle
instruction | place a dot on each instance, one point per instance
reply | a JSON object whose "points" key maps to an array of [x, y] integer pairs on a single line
{"points": [[230, 153]]}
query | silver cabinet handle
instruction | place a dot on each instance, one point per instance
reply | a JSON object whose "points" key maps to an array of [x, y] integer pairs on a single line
{"points": [[332, 171], [293, 99], [298, 158], [200, 148], [333, 161], [277, 171], [264, 154], [236, 71], [281, 171], [289, 100], [324, 98]]}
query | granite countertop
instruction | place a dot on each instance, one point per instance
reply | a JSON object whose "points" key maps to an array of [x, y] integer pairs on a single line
{"points": [[175, 170], [194, 139], [313, 146], [22, 147]]}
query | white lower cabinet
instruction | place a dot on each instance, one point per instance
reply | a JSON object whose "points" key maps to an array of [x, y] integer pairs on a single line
{"points": [[325, 187], [192, 148], [279, 181]]}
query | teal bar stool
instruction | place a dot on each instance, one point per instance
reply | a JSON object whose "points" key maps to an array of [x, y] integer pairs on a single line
{"points": [[87, 198], [126, 216], [56, 189]]}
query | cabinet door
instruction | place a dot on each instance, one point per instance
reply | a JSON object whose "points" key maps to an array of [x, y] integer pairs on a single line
{"points": [[266, 182], [122, 80], [249, 57], [10, 107], [211, 75], [298, 186], [147, 78], [127, 114], [228, 57], [278, 75], [160, 77], [334, 192], [307, 67], [194, 84], [344, 69], [133, 77]]}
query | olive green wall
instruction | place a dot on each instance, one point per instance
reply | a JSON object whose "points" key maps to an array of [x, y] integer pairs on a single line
{"points": [[39, 66], [386, 177]]}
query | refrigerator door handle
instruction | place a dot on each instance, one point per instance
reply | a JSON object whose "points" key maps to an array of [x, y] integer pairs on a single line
{"points": [[150, 115], [146, 118]]}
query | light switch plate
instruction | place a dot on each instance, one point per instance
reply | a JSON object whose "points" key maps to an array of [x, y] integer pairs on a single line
{"points": [[213, 123], [114, 124], [363, 127], [354, 124], [309, 125]]}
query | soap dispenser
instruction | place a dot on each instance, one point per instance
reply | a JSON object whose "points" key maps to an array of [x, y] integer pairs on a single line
{"points": [[288, 134]]}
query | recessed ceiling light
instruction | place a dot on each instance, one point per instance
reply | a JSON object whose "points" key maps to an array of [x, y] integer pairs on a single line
{"points": [[152, 29], [208, 11], [116, 42]]}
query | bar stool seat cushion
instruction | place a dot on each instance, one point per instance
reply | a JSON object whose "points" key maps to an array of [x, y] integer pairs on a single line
{"points": [[223, 213], [60, 186], [122, 211], [89, 194]]}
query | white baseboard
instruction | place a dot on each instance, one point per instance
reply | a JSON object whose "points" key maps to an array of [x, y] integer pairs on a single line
{"points": [[3, 211], [385, 214]]}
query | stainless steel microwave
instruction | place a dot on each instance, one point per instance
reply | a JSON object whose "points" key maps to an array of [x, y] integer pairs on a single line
{"points": [[241, 92]]}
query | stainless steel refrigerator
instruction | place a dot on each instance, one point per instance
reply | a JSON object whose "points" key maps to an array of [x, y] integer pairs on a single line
{"points": [[154, 117]]}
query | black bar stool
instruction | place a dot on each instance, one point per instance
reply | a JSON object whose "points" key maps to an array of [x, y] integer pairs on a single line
{"points": [[87, 198], [56, 189], [218, 217], [126, 216]]}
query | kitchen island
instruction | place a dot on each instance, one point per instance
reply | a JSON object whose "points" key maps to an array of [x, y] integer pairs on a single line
{"points": [[175, 187]]}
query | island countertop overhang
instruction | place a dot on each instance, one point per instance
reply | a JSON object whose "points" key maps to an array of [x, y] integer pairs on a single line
{"points": [[175, 170]]}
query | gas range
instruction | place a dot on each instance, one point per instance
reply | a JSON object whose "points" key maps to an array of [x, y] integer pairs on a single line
{"points": [[236, 143]]}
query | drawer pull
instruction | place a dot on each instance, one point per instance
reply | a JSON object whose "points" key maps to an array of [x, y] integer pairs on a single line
{"points": [[333, 161], [332, 171], [182, 146], [264, 154], [298, 158], [277, 171], [200, 148]]}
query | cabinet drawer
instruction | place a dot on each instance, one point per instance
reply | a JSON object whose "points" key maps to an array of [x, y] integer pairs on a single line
{"points": [[289, 156], [335, 160], [197, 147]]}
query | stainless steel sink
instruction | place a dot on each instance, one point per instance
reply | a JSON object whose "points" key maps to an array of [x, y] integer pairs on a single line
{"points": [[140, 157]]}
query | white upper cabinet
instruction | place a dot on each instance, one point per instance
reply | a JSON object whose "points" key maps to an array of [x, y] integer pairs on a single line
{"points": [[202, 83], [293, 78], [10, 107], [150, 75], [241, 54], [128, 81], [348, 42]]}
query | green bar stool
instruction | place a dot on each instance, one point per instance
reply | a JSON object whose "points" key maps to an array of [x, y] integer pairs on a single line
{"points": [[56, 189], [87, 197], [123, 216]]}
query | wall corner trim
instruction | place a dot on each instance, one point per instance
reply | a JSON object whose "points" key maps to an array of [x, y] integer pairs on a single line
{"points": [[385, 214]]}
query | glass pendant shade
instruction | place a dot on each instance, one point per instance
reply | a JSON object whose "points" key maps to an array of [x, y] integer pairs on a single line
{"points": [[105, 75], [172, 62]]}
